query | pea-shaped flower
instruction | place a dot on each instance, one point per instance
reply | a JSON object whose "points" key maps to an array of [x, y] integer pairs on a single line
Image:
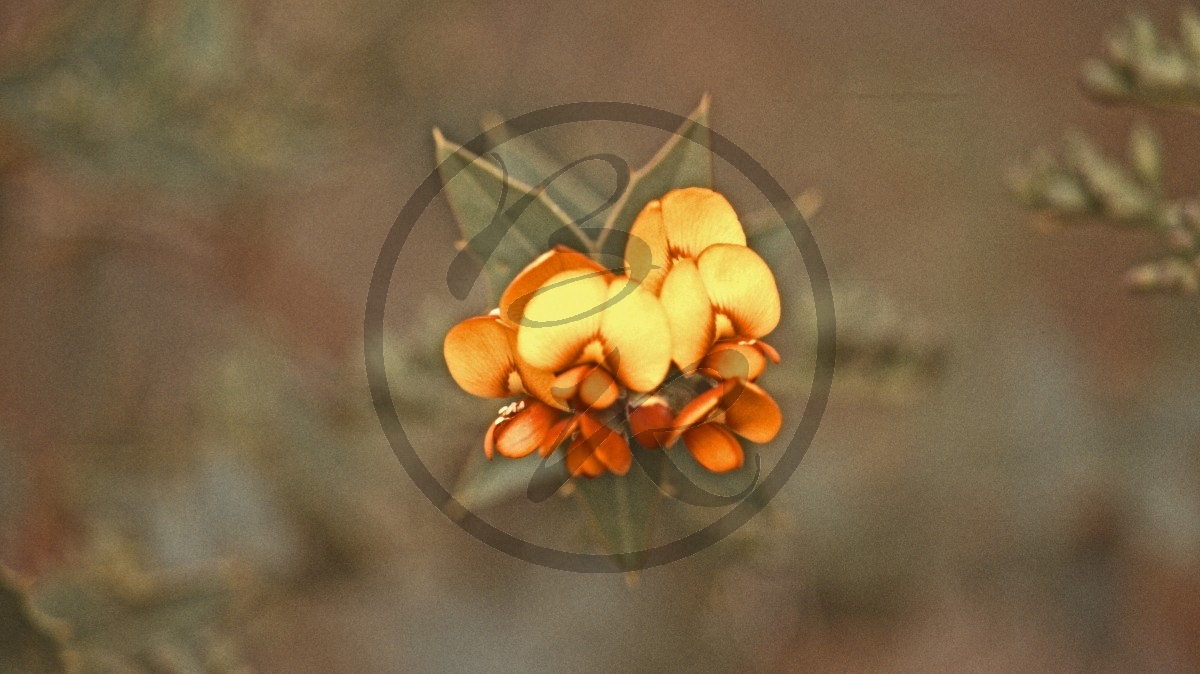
{"points": [[718, 294]]}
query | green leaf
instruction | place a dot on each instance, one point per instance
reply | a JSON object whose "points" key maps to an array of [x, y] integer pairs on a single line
{"points": [[529, 163], [766, 220], [685, 161], [174, 99], [775, 245], [27, 644], [483, 484], [506, 222], [622, 508]]}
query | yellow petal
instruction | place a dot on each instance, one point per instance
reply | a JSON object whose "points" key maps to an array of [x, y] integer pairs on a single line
{"points": [[535, 275], [480, 357], [689, 314], [714, 448], [562, 317], [634, 328], [754, 415], [741, 286], [647, 231], [695, 218]]}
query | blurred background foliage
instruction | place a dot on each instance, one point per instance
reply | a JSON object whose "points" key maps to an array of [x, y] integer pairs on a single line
{"points": [[192, 196], [1145, 68]]}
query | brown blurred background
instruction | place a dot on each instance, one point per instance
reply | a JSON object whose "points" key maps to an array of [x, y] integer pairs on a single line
{"points": [[192, 197]]}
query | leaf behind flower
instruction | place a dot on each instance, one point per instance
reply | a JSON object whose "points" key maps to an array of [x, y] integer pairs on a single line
{"points": [[685, 161], [505, 236]]}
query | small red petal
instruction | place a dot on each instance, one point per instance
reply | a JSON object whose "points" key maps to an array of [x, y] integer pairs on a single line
{"points": [[582, 460], [651, 423], [558, 433]]}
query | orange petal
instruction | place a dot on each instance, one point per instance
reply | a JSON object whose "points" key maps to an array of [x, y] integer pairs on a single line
{"points": [[651, 423], [634, 328], [489, 440], [698, 411], [480, 357], [615, 453], [524, 432], [689, 314], [537, 382], [767, 350], [754, 415], [558, 433], [534, 276], [714, 448], [695, 218], [647, 231], [610, 446], [598, 390], [562, 317], [732, 360], [741, 286], [590, 426], [583, 460], [566, 385]]}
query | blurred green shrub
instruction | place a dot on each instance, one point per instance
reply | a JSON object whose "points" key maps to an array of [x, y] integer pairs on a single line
{"points": [[1144, 68]]}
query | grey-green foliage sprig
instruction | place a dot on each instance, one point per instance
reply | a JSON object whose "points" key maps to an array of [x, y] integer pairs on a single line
{"points": [[884, 352], [1145, 67], [1083, 183], [171, 96], [106, 615]]}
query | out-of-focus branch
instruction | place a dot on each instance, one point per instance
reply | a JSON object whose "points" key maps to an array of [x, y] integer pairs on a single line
{"points": [[1144, 67], [885, 353], [110, 615], [1082, 184]]}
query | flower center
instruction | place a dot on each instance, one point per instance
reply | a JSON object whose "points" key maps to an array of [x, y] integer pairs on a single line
{"points": [[515, 385], [724, 326], [593, 352]]}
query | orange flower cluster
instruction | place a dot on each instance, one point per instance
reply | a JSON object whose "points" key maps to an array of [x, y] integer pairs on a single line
{"points": [[588, 348]]}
